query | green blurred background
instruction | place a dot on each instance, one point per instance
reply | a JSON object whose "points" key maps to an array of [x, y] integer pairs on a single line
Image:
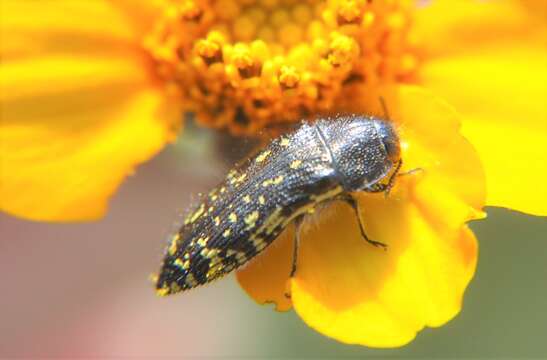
{"points": [[82, 290]]}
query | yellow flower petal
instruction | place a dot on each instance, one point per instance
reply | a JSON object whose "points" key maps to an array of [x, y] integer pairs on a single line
{"points": [[64, 166], [356, 293], [141, 14], [494, 72], [362, 295], [31, 79], [56, 26], [79, 110]]}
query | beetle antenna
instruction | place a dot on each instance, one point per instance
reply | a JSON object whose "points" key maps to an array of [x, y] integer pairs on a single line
{"points": [[384, 107]]}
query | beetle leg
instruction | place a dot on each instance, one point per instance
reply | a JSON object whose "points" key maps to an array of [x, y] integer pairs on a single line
{"points": [[296, 243], [384, 108], [376, 188], [391, 180], [351, 202], [386, 188]]}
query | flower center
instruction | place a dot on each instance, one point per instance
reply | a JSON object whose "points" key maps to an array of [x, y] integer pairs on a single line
{"points": [[249, 64]]}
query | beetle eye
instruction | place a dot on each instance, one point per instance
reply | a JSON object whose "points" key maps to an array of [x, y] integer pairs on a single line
{"points": [[392, 148], [390, 140]]}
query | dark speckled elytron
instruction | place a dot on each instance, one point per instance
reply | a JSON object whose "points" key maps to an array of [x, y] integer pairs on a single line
{"points": [[324, 161]]}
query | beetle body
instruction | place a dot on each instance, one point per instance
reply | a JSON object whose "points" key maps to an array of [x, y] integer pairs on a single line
{"points": [[289, 178]]}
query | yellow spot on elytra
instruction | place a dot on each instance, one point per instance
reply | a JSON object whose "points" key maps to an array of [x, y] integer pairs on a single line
{"points": [[327, 195], [284, 142], [239, 255], [260, 158], [232, 177], [226, 232], [247, 199], [274, 181], [217, 221], [215, 260], [222, 190], [251, 219], [273, 221], [258, 243], [183, 265], [261, 200], [191, 280], [214, 197], [175, 287], [203, 241], [210, 210], [296, 164], [162, 291], [195, 215], [214, 271], [232, 217], [173, 246], [232, 174], [241, 178], [209, 253]]}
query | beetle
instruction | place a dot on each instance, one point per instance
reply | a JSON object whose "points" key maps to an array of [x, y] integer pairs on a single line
{"points": [[327, 160]]}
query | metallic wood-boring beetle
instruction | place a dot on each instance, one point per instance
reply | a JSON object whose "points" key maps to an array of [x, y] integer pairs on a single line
{"points": [[319, 162]]}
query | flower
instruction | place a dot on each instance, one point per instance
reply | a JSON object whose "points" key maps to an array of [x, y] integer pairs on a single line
{"points": [[91, 89], [489, 60], [79, 108], [359, 294], [124, 72]]}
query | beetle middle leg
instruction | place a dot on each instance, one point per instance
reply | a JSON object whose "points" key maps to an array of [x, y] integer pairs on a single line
{"points": [[296, 244], [355, 206]]}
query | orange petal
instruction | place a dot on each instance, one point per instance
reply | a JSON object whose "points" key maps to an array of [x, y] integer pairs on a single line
{"points": [[140, 13], [64, 166], [494, 71], [356, 293], [78, 109], [62, 26], [265, 279]]}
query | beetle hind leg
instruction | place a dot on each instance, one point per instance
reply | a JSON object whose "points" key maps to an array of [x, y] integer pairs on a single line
{"points": [[296, 244]]}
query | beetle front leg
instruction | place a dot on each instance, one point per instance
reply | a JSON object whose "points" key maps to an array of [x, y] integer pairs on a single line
{"points": [[355, 206]]}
